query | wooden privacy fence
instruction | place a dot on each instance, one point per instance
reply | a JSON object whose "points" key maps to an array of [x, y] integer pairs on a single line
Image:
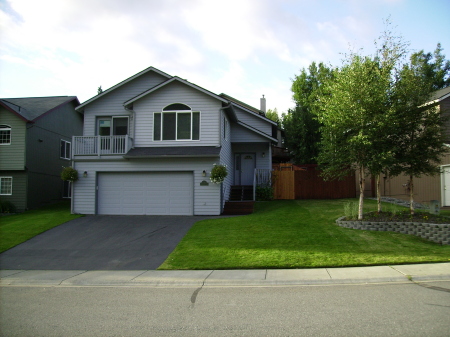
{"points": [[307, 184]]}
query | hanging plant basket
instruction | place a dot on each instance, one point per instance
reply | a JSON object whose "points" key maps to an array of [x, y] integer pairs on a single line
{"points": [[69, 174], [218, 173]]}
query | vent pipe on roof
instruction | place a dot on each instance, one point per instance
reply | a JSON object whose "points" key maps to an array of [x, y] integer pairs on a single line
{"points": [[263, 104]]}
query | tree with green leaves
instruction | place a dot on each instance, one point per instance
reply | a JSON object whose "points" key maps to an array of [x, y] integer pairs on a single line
{"points": [[273, 115], [433, 67], [353, 117], [300, 124], [416, 126], [375, 116]]}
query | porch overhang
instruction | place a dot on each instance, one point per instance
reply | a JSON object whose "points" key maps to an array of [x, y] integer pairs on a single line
{"points": [[173, 152]]}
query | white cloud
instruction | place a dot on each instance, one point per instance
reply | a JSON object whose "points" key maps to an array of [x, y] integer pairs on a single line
{"points": [[245, 48]]}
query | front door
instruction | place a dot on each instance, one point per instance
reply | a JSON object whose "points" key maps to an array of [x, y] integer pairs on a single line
{"points": [[247, 168]]}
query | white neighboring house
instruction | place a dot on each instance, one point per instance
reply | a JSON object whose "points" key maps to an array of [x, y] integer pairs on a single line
{"points": [[149, 144]]}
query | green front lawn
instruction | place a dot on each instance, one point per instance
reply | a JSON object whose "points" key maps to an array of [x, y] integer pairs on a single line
{"points": [[17, 228], [296, 234]]}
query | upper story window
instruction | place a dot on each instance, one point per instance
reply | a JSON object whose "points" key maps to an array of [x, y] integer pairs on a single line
{"points": [[176, 122], [112, 126], [5, 135], [65, 149], [5, 185]]}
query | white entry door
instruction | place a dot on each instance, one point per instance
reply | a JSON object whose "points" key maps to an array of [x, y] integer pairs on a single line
{"points": [[446, 185]]}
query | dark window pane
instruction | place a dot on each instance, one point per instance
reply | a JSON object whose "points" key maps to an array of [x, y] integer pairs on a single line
{"points": [[104, 127], [120, 126], [62, 152], [157, 126], [67, 150], [169, 122], [195, 125], [176, 107], [184, 126]]}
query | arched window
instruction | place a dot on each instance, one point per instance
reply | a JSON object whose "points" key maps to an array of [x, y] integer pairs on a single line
{"points": [[177, 121], [5, 135], [177, 107]]}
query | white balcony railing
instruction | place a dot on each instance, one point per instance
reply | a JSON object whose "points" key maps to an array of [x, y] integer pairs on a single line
{"points": [[100, 145], [262, 177]]}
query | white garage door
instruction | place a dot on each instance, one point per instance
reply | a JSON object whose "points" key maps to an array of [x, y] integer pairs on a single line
{"points": [[155, 193]]}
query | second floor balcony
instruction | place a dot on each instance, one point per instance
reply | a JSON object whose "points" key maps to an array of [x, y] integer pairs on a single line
{"points": [[101, 145]]}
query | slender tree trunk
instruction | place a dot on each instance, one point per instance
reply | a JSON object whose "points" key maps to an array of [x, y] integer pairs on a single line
{"points": [[411, 194], [378, 193], [361, 192]]}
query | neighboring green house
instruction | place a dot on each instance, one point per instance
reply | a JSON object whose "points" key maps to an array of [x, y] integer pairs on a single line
{"points": [[35, 144]]}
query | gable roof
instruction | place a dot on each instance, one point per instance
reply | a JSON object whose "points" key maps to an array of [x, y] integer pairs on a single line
{"points": [[440, 95], [173, 79], [32, 108], [248, 108], [129, 79]]}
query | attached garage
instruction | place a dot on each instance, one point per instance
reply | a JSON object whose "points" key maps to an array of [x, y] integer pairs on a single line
{"points": [[145, 193]]}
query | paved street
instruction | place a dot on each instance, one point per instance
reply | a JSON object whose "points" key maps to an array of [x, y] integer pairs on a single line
{"points": [[395, 309]]}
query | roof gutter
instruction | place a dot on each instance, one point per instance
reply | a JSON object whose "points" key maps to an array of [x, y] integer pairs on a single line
{"points": [[133, 114]]}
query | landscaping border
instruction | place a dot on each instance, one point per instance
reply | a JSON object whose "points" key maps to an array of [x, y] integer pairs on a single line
{"points": [[439, 233]]}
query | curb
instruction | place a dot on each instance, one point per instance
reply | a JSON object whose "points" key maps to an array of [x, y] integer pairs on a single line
{"points": [[227, 278]]}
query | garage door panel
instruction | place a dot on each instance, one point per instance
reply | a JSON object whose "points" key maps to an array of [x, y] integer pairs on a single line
{"points": [[146, 193]]}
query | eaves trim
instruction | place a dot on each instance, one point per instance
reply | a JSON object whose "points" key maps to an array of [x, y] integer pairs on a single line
{"points": [[81, 106], [175, 78]]}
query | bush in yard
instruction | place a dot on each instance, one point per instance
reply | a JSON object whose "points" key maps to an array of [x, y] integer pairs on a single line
{"points": [[264, 193], [69, 174], [7, 206]]}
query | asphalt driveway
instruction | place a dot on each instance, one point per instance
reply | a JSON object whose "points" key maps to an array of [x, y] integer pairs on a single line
{"points": [[102, 242]]}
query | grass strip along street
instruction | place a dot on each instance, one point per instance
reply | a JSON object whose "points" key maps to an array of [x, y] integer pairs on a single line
{"points": [[18, 228], [296, 234]]}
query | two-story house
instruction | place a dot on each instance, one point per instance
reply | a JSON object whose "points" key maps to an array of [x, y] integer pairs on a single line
{"points": [[35, 143], [149, 144]]}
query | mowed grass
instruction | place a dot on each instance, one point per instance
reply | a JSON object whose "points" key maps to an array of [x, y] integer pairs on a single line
{"points": [[17, 228], [296, 234]]}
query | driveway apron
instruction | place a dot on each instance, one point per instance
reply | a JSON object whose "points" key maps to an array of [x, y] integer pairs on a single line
{"points": [[102, 242]]}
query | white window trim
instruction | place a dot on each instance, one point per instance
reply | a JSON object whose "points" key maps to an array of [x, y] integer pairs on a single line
{"points": [[7, 127], [65, 152], [191, 112], [1, 183]]}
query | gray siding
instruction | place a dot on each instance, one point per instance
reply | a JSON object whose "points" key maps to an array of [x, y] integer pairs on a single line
{"points": [[255, 121], [112, 103], [176, 92], [206, 198], [240, 134], [12, 157], [19, 189], [226, 157]]}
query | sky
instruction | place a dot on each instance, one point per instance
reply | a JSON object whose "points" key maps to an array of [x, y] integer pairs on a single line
{"points": [[244, 48]]}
